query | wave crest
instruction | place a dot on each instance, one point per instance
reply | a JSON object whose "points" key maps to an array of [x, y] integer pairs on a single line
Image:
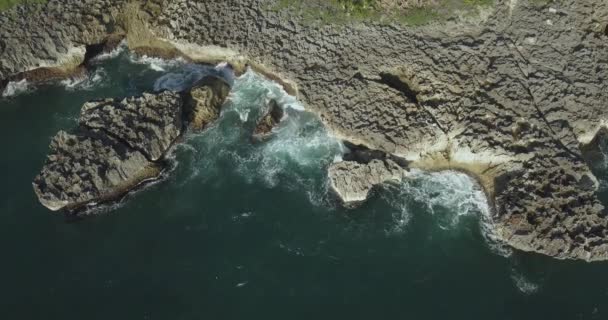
{"points": [[14, 88]]}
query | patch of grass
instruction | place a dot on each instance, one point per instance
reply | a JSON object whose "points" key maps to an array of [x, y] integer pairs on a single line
{"points": [[419, 16], [6, 4]]}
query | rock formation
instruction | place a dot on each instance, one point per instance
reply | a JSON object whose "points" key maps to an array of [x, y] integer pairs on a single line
{"points": [[361, 170], [88, 167], [117, 146], [205, 102], [353, 181], [271, 116], [149, 124], [509, 98]]}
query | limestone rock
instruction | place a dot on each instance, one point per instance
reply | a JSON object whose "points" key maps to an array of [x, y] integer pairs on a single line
{"points": [[205, 102], [353, 181], [89, 166], [523, 86], [271, 117], [119, 144], [149, 123]]}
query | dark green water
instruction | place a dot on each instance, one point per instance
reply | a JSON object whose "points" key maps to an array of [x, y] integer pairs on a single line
{"points": [[249, 232]]}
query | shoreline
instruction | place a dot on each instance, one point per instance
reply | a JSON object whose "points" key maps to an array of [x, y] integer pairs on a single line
{"points": [[414, 92]]}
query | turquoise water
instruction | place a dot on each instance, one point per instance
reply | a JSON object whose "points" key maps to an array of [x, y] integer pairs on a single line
{"points": [[242, 231]]}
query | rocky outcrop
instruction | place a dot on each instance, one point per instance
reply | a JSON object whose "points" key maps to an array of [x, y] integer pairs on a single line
{"points": [[362, 169], [89, 167], [205, 101], [118, 145], [508, 99], [150, 123], [271, 116], [353, 181]]}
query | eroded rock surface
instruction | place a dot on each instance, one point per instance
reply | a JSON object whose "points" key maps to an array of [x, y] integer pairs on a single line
{"points": [[509, 98], [272, 115], [150, 123], [117, 146], [89, 166], [206, 100], [353, 181]]}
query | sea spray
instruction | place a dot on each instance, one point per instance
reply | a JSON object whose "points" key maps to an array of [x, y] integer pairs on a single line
{"points": [[295, 157], [448, 195], [14, 88], [187, 74], [523, 283], [90, 81], [121, 48], [157, 64]]}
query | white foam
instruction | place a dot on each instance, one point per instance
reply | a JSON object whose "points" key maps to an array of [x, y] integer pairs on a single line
{"points": [[88, 82], [14, 88], [189, 73], [293, 157], [451, 190], [523, 284], [450, 196], [495, 243], [122, 47], [157, 64], [401, 214]]}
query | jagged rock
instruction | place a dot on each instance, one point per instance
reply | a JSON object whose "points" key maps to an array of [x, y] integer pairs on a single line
{"points": [[205, 101], [149, 123], [271, 117], [118, 145], [353, 181], [88, 167], [110, 43], [458, 88], [363, 154]]}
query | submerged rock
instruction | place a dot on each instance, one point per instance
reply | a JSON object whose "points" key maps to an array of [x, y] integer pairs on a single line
{"points": [[353, 181], [270, 119], [205, 102], [118, 145]]}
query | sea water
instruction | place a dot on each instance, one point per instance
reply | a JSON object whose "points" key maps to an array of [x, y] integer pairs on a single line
{"points": [[242, 230]]}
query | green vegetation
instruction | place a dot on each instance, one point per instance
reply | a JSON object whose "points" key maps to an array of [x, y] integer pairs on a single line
{"points": [[5, 4], [409, 12]]}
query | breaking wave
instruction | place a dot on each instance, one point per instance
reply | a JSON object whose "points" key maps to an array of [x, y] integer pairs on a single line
{"points": [[90, 81], [15, 88], [121, 48], [294, 157], [157, 64], [448, 195], [188, 74]]}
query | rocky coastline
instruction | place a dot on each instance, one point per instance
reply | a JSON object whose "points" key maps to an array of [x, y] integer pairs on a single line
{"points": [[120, 144], [516, 99]]}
